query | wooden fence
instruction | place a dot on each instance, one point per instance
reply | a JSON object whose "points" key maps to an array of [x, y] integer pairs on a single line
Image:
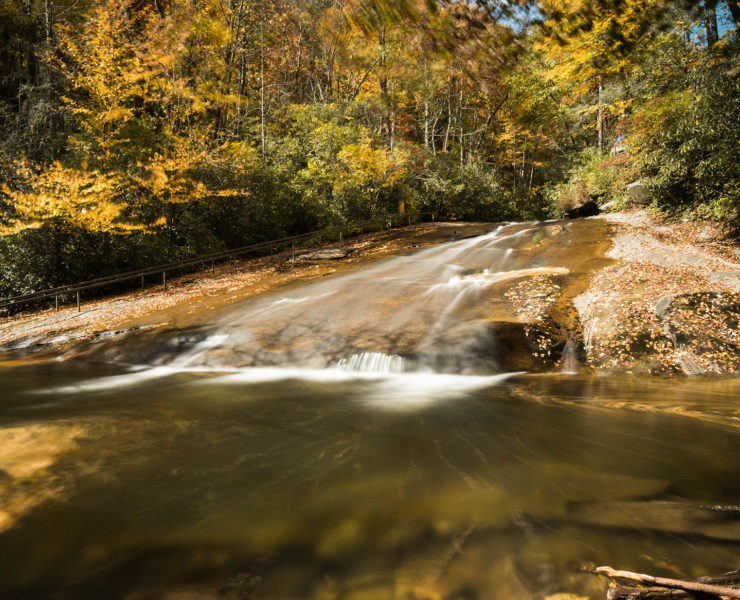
{"points": [[75, 289]]}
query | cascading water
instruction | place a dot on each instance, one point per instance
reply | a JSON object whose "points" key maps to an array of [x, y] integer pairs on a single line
{"points": [[431, 309], [430, 312], [374, 362]]}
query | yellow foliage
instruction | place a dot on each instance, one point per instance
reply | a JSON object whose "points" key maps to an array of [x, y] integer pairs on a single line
{"points": [[82, 198], [375, 168]]}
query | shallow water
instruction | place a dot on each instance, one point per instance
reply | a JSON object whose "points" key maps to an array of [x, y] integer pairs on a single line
{"points": [[336, 488], [194, 476]]}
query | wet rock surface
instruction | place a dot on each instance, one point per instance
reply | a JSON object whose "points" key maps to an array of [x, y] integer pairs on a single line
{"points": [[477, 305], [197, 293]]}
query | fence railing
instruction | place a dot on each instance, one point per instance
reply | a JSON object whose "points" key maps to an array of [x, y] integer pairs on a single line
{"points": [[329, 232]]}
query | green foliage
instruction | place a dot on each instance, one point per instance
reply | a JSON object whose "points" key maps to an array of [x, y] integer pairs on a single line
{"points": [[591, 176], [469, 192], [687, 130], [59, 253]]}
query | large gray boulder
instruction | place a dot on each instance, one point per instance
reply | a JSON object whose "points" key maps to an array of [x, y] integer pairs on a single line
{"points": [[638, 193]]}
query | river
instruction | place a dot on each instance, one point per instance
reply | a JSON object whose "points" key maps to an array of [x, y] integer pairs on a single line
{"points": [[354, 438]]}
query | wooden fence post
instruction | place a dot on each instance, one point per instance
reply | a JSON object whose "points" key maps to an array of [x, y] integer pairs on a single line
{"points": [[78, 300], [56, 303], [142, 284], [164, 280]]}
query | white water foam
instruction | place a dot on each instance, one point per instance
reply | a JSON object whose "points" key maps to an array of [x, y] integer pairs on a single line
{"points": [[386, 391], [381, 390], [99, 384], [200, 349], [373, 362]]}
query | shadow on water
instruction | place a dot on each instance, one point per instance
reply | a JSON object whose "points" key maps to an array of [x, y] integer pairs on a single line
{"points": [[361, 438]]}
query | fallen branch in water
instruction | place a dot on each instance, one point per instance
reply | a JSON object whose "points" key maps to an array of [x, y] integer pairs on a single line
{"points": [[629, 592], [681, 585]]}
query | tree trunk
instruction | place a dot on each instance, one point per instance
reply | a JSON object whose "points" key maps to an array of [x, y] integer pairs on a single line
{"points": [[460, 119], [734, 7], [262, 84], [449, 113], [531, 175], [299, 62], [392, 118], [385, 117], [48, 22], [434, 133], [600, 119], [426, 107], [710, 24], [242, 83]]}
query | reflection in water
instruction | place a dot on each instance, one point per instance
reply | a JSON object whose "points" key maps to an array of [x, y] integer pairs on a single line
{"points": [[229, 462]]}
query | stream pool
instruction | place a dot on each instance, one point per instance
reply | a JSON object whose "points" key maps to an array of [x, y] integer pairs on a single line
{"points": [[243, 485]]}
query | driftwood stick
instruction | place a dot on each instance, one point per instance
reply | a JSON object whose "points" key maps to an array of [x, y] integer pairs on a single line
{"points": [[631, 592], [676, 584]]}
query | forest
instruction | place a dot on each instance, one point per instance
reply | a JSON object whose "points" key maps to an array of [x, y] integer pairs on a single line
{"points": [[134, 132]]}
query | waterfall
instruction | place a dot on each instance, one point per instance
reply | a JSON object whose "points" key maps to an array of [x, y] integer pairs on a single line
{"points": [[570, 360], [372, 362]]}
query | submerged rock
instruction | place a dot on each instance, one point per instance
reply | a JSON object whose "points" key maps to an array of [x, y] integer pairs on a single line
{"points": [[716, 522]]}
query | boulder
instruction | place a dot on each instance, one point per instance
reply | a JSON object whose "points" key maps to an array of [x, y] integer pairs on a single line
{"points": [[638, 193], [328, 254]]}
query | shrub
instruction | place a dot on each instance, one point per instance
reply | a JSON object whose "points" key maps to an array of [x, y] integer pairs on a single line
{"points": [[592, 176]]}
